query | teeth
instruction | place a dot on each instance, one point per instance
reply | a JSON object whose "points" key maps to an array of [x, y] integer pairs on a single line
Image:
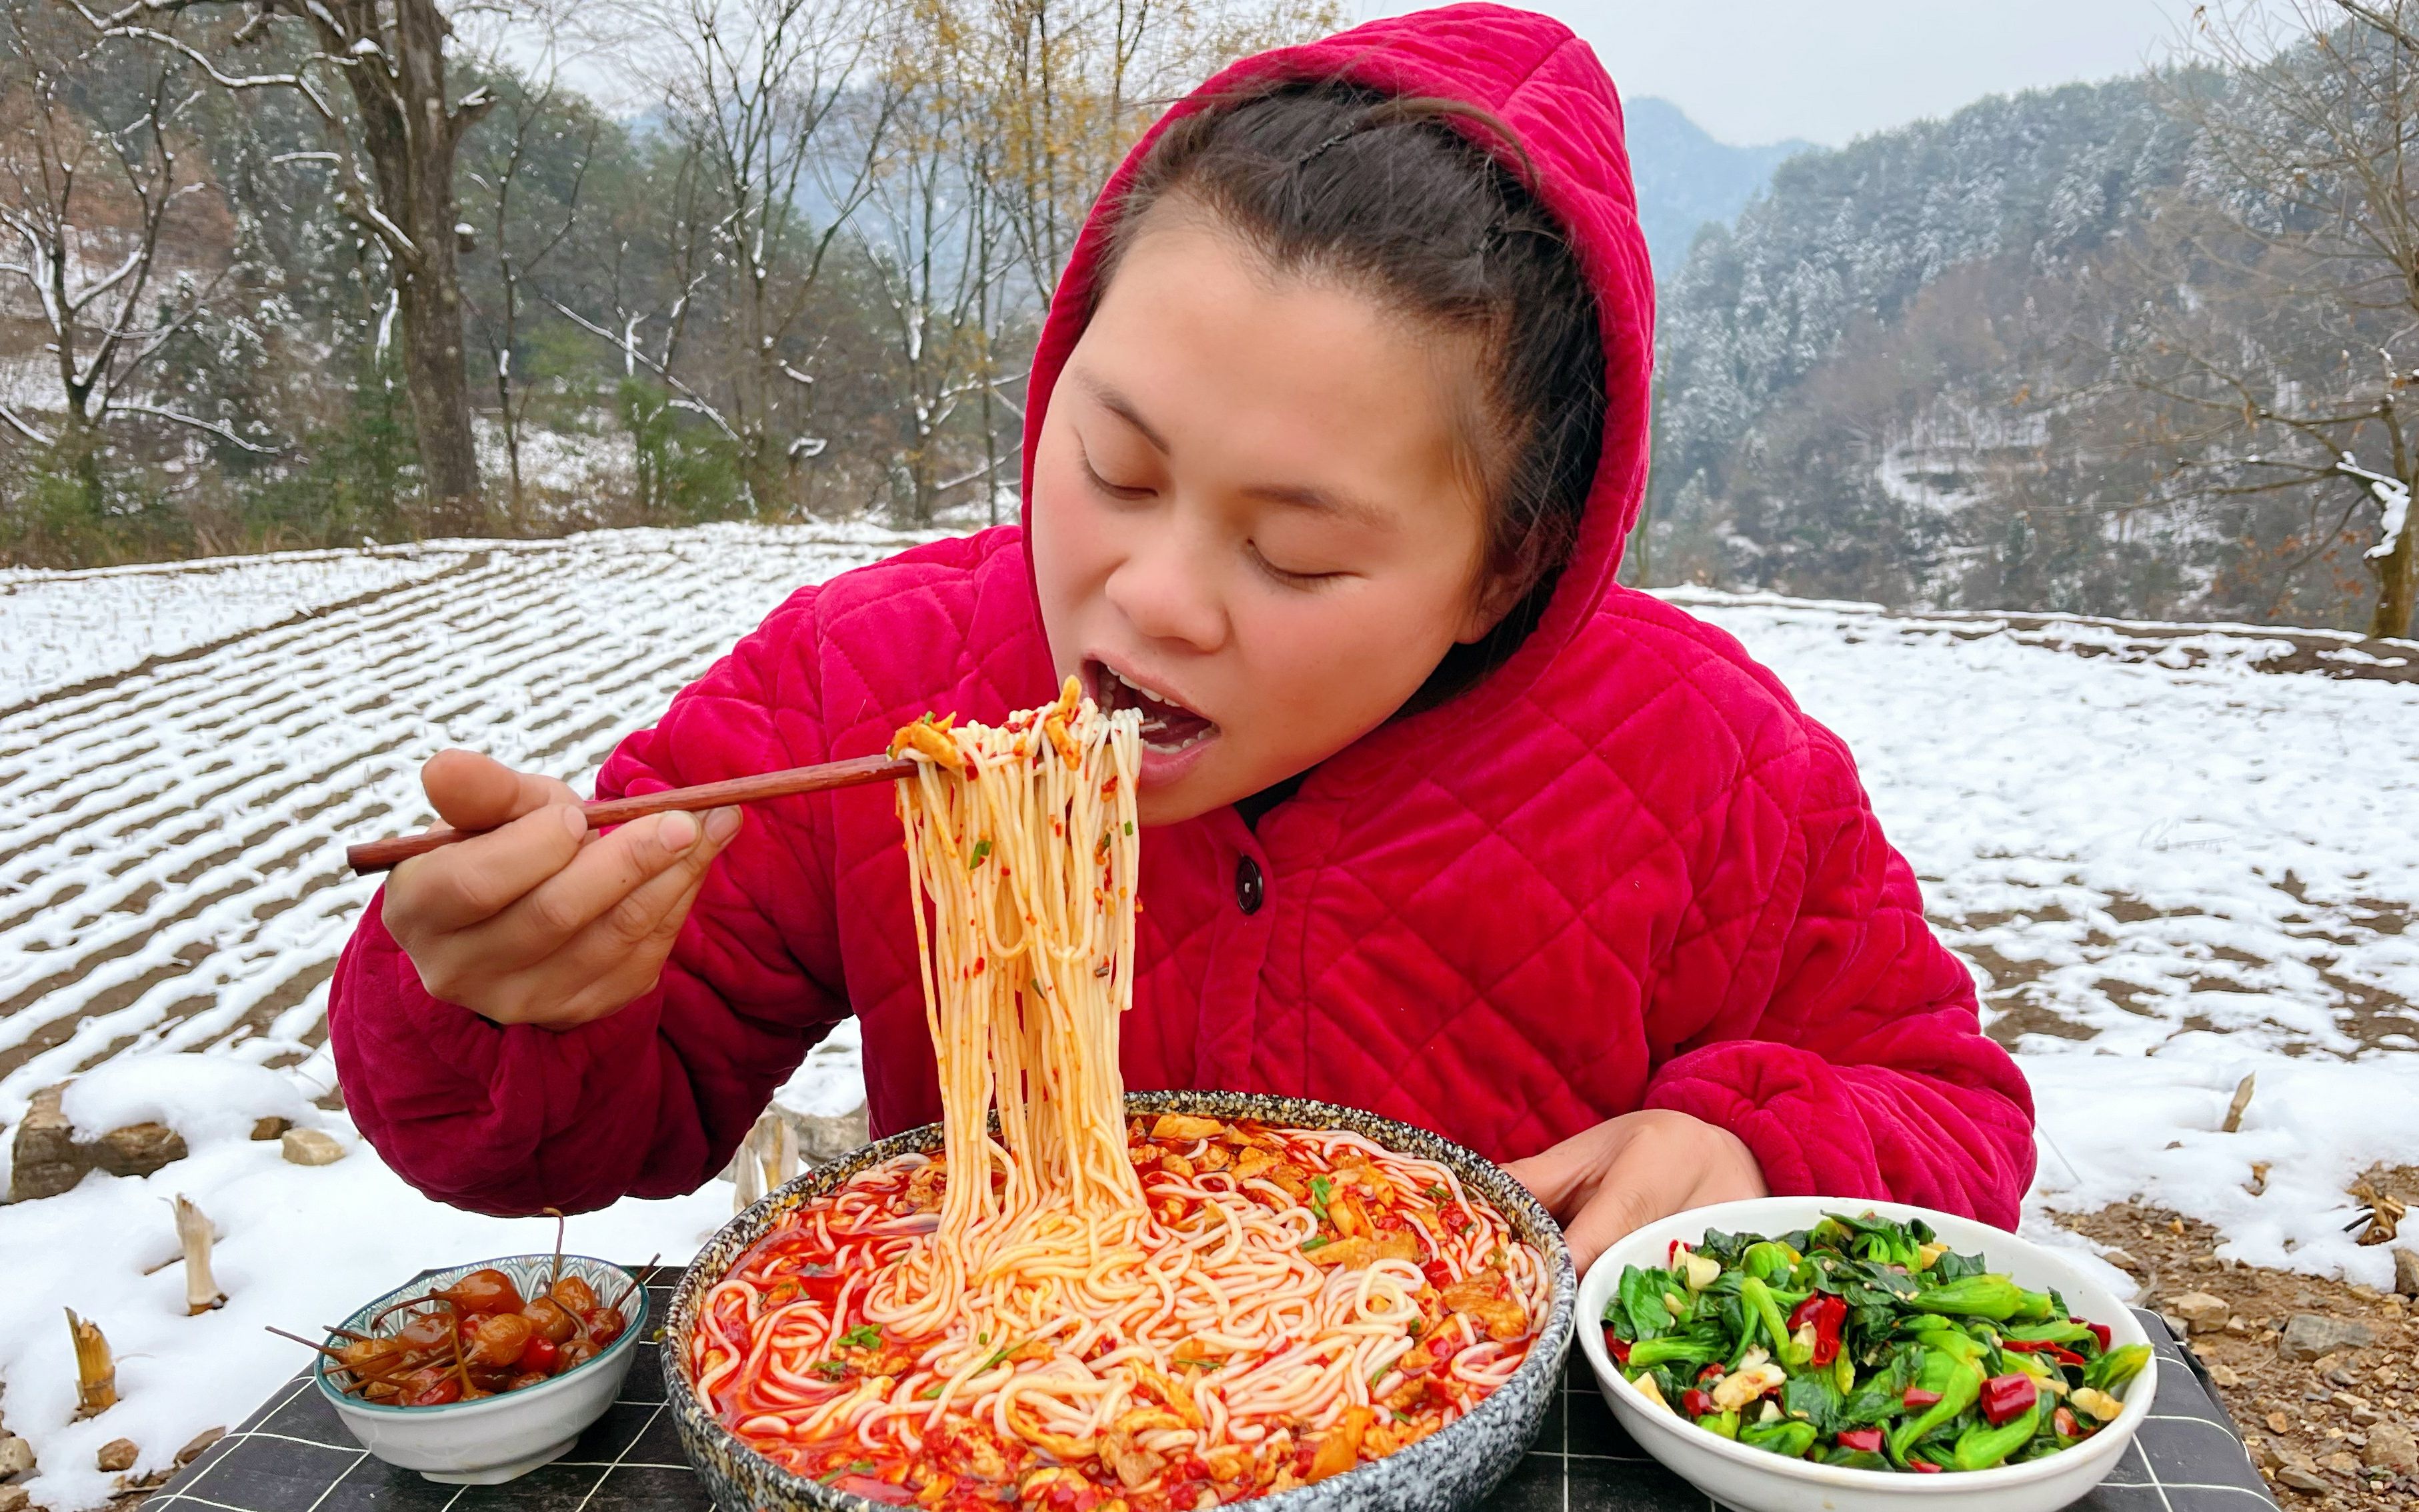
{"points": [[1158, 713], [1186, 744]]}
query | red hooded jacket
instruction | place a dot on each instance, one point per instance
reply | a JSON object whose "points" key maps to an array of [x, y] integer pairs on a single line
{"points": [[1624, 872]]}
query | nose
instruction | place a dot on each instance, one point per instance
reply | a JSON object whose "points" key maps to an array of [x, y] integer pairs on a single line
{"points": [[1166, 589]]}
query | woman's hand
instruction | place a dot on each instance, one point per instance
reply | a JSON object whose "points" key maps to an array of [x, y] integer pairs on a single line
{"points": [[1627, 1172], [542, 921]]}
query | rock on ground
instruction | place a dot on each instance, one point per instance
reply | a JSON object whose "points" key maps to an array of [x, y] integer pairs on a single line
{"points": [[201, 1440], [48, 1159], [2199, 1310], [2298, 1414], [2309, 1336], [2392, 1448], [309, 1147]]}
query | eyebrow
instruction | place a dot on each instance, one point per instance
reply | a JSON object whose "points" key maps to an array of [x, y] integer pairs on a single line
{"points": [[1345, 506], [1123, 408], [1300, 496]]}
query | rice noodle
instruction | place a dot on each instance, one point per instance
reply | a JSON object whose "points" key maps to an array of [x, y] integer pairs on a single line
{"points": [[1101, 1309]]}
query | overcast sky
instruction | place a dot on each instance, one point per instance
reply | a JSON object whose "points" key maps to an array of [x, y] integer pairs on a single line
{"points": [[1762, 70]]}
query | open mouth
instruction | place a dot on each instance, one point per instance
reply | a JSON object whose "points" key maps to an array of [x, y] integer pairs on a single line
{"points": [[1166, 725]]}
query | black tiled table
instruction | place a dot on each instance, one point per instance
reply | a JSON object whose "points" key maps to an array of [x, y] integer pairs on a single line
{"points": [[294, 1456]]}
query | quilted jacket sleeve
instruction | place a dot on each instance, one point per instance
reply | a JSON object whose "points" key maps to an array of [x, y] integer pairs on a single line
{"points": [[1848, 1052], [650, 1100]]}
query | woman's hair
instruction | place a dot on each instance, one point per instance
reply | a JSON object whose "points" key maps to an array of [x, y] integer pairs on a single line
{"points": [[1391, 195]]}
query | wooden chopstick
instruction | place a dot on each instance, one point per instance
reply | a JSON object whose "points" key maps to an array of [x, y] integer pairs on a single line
{"points": [[378, 855]]}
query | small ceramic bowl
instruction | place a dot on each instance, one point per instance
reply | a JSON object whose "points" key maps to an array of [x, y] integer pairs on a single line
{"points": [[1451, 1468], [494, 1438], [1757, 1480]]}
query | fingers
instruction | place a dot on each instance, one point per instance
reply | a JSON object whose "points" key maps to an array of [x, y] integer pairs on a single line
{"points": [[1614, 1214], [632, 973], [612, 898], [594, 937], [474, 880], [1563, 1176], [474, 792], [1606, 1182]]}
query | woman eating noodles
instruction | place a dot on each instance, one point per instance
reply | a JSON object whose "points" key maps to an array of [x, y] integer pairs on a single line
{"points": [[1335, 431]]}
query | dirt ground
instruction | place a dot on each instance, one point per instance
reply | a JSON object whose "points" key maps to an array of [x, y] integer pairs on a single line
{"points": [[2331, 1433]]}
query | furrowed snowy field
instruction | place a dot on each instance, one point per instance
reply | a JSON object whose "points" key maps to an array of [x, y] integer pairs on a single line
{"points": [[2171, 868]]}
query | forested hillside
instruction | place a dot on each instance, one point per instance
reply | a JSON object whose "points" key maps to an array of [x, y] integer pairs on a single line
{"points": [[2135, 348], [792, 270], [2131, 349], [1686, 178]]}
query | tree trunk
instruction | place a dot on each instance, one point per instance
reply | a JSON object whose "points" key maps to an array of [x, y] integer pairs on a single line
{"points": [[2398, 584], [79, 447], [430, 313], [409, 136]]}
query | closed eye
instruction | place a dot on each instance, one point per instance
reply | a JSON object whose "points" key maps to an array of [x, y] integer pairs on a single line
{"points": [[1114, 491], [1288, 576]]}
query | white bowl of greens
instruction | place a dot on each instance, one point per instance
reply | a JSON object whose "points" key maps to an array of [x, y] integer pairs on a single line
{"points": [[1980, 1368]]}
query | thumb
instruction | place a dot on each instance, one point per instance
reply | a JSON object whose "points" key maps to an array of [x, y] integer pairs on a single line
{"points": [[1610, 1214], [469, 791]]}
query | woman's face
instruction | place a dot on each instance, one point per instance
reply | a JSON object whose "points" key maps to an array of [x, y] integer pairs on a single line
{"points": [[1250, 516]]}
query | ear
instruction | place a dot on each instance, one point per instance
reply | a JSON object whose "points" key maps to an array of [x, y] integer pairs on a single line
{"points": [[1494, 599]]}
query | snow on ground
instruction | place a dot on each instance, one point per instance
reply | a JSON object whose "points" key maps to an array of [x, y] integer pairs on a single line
{"points": [[171, 878], [2170, 876], [2169, 871], [61, 628], [297, 1247]]}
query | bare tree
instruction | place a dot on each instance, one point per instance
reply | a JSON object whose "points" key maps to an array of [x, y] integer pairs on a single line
{"points": [[935, 233], [527, 234], [391, 154], [2282, 349], [1075, 82], [780, 121], [97, 190]]}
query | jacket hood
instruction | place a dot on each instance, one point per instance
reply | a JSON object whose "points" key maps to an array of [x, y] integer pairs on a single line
{"points": [[1546, 85]]}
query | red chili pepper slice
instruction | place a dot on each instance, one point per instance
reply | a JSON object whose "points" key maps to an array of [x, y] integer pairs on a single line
{"points": [[2056, 1351], [2008, 1398], [2098, 1331], [2067, 1425], [1829, 1313], [1923, 1466], [1711, 1372], [1916, 1398], [1695, 1403], [1615, 1345], [1865, 1439]]}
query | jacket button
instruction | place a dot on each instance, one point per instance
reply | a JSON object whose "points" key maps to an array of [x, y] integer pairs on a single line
{"points": [[1249, 889]]}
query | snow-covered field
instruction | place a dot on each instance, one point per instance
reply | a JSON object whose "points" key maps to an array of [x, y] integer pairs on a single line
{"points": [[62, 628], [2172, 871], [2170, 878]]}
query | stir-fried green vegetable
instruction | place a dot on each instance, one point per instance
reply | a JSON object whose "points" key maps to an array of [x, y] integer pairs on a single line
{"points": [[1864, 1342]]}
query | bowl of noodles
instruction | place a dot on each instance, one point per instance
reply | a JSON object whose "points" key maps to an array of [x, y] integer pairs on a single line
{"points": [[1409, 1371], [1063, 1297]]}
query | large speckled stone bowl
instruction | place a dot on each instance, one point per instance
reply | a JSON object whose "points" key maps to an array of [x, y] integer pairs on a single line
{"points": [[1451, 1468]]}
